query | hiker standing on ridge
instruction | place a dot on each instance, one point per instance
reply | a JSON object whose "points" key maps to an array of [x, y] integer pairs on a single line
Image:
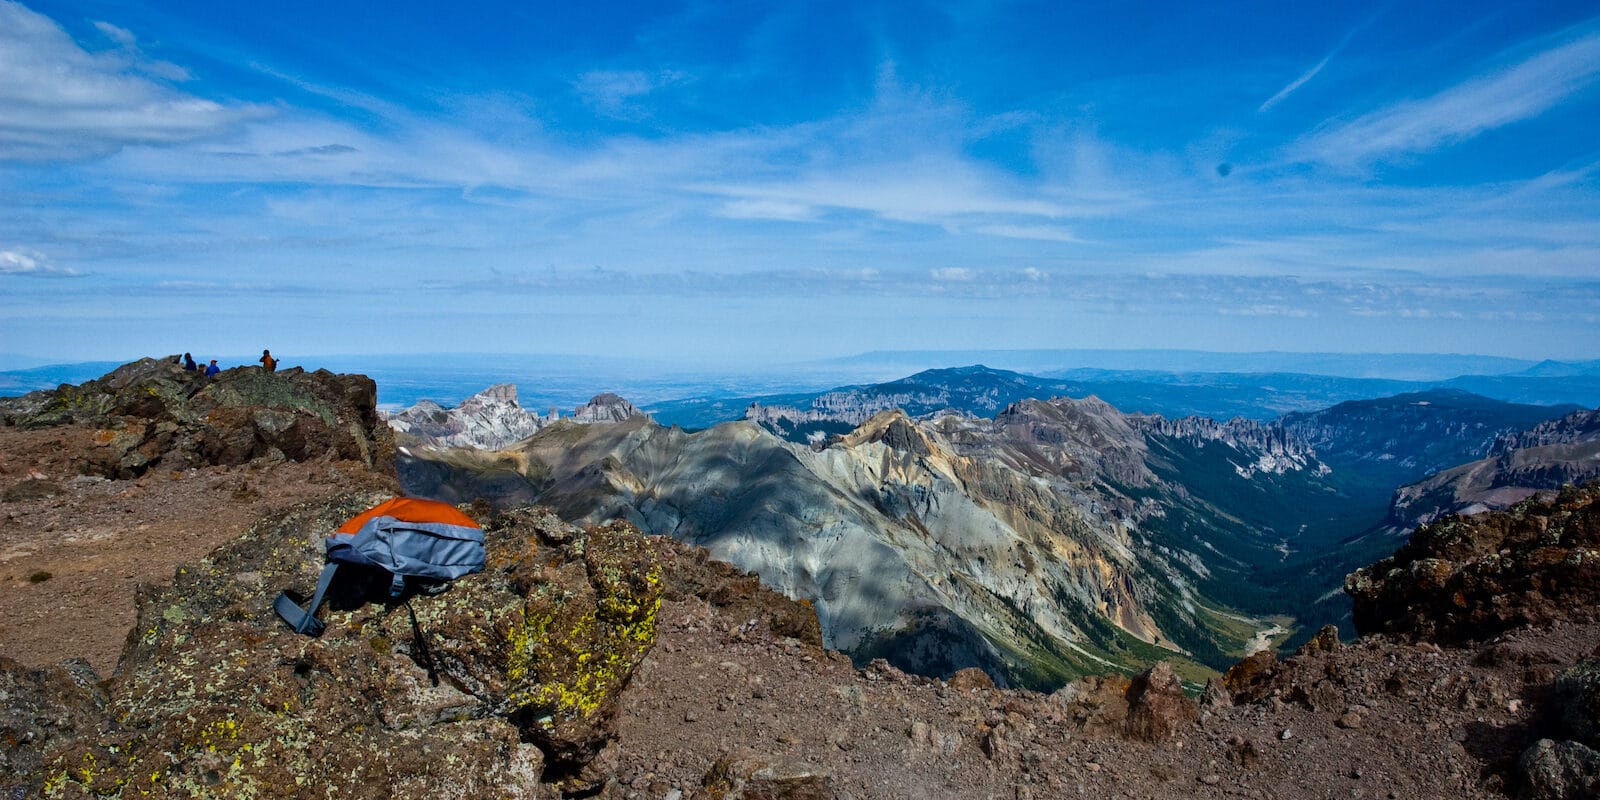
{"points": [[212, 368], [188, 363], [268, 363]]}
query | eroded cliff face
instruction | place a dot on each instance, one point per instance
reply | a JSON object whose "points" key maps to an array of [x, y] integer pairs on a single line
{"points": [[1040, 545], [1277, 449]]}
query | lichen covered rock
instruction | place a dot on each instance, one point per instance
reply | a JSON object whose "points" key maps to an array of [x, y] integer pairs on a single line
{"points": [[1577, 696], [503, 686], [1559, 771]]}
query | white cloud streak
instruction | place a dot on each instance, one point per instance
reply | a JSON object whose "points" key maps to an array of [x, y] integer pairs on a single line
{"points": [[1306, 76], [1511, 94], [1295, 84], [613, 93], [31, 264], [59, 101]]}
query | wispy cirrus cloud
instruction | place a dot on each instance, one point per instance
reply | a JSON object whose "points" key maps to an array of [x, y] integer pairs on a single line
{"points": [[59, 101], [1500, 97], [614, 93], [1041, 233], [1284, 296], [129, 43], [1316, 68]]}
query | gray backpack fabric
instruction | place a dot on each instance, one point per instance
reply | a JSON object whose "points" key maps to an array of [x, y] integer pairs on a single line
{"points": [[422, 544]]}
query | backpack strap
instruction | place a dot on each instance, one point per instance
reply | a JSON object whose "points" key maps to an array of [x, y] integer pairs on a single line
{"points": [[305, 620]]}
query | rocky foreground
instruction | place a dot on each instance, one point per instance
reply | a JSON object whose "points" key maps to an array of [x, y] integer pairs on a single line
{"points": [[598, 662]]}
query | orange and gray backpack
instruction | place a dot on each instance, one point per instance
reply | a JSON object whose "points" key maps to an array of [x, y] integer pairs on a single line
{"points": [[421, 544]]}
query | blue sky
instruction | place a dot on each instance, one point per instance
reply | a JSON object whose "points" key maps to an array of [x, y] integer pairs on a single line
{"points": [[748, 182]]}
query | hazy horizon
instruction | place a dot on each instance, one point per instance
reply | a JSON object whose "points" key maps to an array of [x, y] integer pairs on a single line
{"points": [[730, 183]]}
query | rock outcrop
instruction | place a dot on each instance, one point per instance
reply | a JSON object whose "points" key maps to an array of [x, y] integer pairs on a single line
{"points": [[152, 413], [1463, 578], [504, 684]]}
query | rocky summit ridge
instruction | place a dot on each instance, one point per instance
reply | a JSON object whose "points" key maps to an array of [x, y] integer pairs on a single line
{"points": [[152, 414]]}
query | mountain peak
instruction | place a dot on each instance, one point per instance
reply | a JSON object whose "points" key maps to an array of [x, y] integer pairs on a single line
{"points": [[894, 430], [606, 407], [502, 392]]}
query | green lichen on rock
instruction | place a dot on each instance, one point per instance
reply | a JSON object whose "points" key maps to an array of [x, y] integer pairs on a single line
{"points": [[215, 697]]}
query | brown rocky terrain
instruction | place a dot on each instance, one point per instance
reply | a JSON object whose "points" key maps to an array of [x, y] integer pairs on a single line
{"points": [[596, 662]]}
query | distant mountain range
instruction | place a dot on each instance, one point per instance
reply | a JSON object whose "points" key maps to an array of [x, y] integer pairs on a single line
{"points": [[1256, 385], [1399, 439], [1393, 366], [981, 390]]}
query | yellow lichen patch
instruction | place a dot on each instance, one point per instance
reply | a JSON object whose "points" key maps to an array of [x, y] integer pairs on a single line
{"points": [[575, 647]]}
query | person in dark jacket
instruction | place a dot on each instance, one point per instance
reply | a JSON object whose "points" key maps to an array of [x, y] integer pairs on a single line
{"points": [[188, 363]]}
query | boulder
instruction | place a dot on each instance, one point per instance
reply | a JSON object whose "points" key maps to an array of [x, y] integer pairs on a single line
{"points": [[1577, 695], [1326, 640], [749, 777], [1253, 678], [971, 678], [1096, 705], [1157, 705], [1559, 771]]}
